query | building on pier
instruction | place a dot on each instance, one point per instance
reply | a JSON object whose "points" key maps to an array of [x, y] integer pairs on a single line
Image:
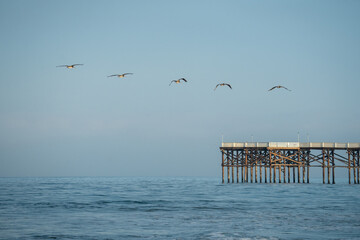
{"points": [[286, 162]]}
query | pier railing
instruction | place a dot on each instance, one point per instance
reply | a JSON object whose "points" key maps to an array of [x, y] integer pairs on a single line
{"points": [[314, 145]]}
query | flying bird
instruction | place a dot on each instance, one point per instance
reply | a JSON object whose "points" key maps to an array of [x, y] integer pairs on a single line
{"points": [[178, 81], [278, 87], [223, 84], [70, 66], [120, 75]]}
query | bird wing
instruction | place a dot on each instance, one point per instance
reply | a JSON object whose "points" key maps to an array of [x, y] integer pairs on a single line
{"points": [[77, 64], [272, 88], [183, 79], [114, 75], [216, 86], [285, 88], [62, 66], [228, 85], [172, 82], [127, 74]]}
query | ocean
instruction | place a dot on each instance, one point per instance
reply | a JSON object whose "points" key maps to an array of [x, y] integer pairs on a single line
{"points": [[175, 208]]}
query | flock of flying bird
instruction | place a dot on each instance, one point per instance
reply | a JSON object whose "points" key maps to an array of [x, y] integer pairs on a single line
{"points": [[175, 81]]}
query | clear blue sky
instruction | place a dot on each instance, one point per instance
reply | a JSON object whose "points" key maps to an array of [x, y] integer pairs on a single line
{"points": [[77, 122]]}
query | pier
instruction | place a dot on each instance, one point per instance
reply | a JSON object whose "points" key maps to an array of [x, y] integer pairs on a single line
{"points": [[286, 162]]}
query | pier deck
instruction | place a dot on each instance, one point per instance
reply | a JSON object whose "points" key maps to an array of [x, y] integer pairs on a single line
{"points": [[285, 161]]}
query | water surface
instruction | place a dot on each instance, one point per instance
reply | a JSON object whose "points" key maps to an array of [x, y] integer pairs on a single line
{"points": [[175, 208]]}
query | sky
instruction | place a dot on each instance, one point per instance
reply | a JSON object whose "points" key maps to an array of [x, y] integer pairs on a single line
{"points": [[56, 121]]}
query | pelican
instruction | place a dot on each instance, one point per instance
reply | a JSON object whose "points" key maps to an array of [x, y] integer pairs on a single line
{"points": [[278, 87], [178, 81], [223, 84], [70, 66], [120, 75]]}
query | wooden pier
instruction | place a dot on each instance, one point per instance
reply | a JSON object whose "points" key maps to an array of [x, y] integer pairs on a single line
{"points": [[285, 162]]}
